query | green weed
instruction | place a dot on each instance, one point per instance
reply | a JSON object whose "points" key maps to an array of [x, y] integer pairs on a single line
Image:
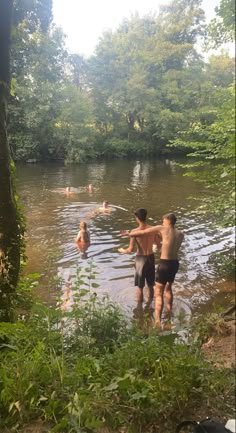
{"points": [[88, 368]]}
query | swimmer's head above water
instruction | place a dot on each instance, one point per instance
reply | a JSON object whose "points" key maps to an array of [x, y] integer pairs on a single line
{"points": [[105, 204], [68, 190], [105, 208]]}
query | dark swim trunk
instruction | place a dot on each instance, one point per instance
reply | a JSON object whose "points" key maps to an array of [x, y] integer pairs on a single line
{"points": [[166, 271], [144, 270]]}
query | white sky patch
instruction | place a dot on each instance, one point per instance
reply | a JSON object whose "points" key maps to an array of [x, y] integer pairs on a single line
{"points": [[84, 21]]}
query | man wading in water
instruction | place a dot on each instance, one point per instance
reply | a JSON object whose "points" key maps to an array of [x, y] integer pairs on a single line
{"points": [[144, 260], [168, 265]]}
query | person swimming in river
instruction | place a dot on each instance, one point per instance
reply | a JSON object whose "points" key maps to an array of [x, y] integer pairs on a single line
{"points": [[83, 239], [83, 235], [105, 208], [88, 188], [68, 190]]}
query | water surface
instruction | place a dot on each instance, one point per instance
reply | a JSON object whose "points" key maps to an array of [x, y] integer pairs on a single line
{"points": [[53, 222]]}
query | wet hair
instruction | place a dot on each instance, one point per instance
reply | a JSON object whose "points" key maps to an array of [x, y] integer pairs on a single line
{"points": [[170, 217], [141, 214], [83, 224]]}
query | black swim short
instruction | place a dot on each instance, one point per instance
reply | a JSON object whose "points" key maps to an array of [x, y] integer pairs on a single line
{"points": [[144, 270], [166, 271]]}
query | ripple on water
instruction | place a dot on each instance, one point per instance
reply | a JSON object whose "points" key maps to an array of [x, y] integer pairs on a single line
{"points": [[53, 223]]}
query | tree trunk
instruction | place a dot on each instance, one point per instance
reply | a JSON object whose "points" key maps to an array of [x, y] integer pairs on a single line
{"points": [[10, 232]]}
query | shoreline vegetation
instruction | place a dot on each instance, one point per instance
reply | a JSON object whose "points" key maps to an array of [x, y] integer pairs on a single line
{"points": [[90, 370]]}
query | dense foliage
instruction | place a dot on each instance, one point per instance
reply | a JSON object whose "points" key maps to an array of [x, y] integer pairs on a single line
{"points": [[144, 84], [89, 370], [211, 137]]}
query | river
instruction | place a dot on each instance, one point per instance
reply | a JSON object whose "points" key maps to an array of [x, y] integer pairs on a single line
{"points": [[53, 222]]}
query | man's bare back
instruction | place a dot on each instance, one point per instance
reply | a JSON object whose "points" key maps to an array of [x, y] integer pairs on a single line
{"points": [[144, 260], [144, 243], [171, 241]]}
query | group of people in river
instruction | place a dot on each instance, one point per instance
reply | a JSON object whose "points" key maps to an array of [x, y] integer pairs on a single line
{"points": [[70, 190], [147, 239]]}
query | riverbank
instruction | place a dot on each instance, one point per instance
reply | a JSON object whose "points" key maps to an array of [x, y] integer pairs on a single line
{"points": [[89, 370], [219, 347]]}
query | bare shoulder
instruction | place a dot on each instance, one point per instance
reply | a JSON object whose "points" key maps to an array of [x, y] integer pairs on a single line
{"points": [[133, 231]]}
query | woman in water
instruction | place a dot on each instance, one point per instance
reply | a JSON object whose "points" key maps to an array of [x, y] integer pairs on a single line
{"points": [[83, 239]]}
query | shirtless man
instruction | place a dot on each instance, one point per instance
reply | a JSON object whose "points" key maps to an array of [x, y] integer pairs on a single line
{"points": [[168, 265], [144, 260], [105, 208]]}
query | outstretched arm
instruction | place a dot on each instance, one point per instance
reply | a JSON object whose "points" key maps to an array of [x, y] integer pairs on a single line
{"points": [[158, 240], [155, 229], [130, 247]]}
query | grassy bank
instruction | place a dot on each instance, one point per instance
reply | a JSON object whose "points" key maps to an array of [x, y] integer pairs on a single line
{"points": [[89, 370]]}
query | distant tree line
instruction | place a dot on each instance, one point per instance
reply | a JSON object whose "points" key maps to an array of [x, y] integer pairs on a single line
{"points": [[145, 86]]}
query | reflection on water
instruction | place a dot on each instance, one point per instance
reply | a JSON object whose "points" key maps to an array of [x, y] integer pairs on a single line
{"points": [[53, 223]]}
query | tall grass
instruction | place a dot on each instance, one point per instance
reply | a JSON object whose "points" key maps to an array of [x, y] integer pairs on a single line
{"points": [[88, 368]]}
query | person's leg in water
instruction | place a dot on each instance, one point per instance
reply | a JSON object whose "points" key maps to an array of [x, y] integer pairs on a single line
{"points": [[138, 313], [169, 300], [139, 278], [148, 314], [159, 302], [140, 294], [150, 294], [150, 277]]}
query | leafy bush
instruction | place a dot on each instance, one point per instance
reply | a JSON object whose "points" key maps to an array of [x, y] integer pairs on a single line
{"points": [[89, 368]]}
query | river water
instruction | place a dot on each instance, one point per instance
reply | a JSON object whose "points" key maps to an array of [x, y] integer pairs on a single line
{"points": [[53, 222]]}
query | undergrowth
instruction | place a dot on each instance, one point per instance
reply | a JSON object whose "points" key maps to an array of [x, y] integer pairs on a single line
{"points": [[89, 368]]}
